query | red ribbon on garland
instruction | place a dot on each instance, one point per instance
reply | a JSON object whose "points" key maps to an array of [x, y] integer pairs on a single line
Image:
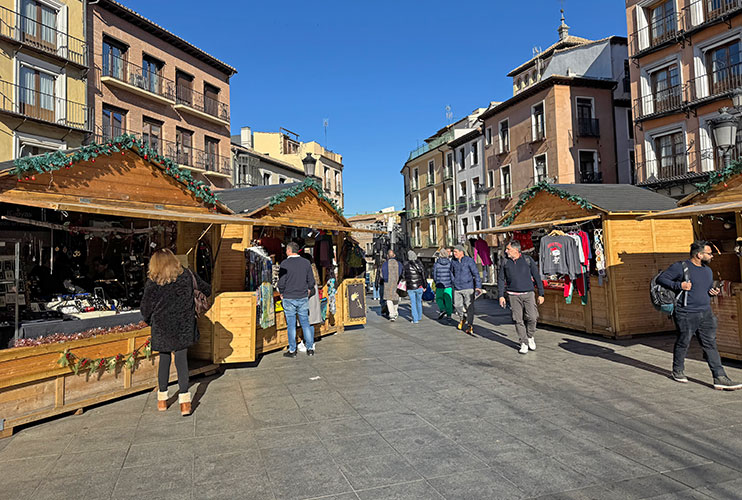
{"points": [[110, 363]]}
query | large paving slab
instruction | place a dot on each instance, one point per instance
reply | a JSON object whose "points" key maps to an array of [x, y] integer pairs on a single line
{"points": [[403, 411]]}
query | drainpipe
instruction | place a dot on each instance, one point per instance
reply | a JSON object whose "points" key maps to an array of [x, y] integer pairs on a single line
{"points": [[615, 132]]}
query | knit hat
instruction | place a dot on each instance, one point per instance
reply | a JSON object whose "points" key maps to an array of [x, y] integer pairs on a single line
{"points": [[460, 248], [411, 255]]}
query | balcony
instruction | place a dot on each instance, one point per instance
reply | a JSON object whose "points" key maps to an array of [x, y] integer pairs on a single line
{"points": [[429, 210], [663, 101], [432, 242], [462, 206], [701, 12], [667, 168], [448, 174], [591, 177], [538, 135], [588, 127], [655, 34], [120, 73], [473, 203], [429, 146], [451, 241], [39, 106], [449, 209], [429, 182], [42, 38], [695, 165], [201, 105], [414, 213], [414, 186], [717, 84], [504, 148]]}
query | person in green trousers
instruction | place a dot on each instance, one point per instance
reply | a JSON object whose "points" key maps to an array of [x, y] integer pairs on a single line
{"points": [[443, 284]]}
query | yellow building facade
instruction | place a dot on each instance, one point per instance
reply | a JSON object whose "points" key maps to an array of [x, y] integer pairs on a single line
{"points": [[43, 86]]}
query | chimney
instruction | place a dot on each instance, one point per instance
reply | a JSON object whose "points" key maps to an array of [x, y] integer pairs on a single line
{"points": [[246, 137], [563, 29]]}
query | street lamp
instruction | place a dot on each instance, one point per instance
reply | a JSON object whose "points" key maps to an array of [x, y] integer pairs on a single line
{"points": [[310, 163], [481, 193], [724, 129]]}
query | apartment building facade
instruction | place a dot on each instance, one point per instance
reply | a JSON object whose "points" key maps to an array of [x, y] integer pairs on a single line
{"points": [[469, 177], [149, 82], [431, 196], [285, 145], [252, 168], [686, 64], [43, 67], [567, 122]]}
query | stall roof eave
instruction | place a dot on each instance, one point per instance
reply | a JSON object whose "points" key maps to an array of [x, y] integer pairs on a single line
{"points": [[138, 213], [533, 225], [691, 210]]}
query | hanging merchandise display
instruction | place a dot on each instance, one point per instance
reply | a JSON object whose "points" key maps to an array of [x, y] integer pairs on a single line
{"points": [[266, 307], [331, 295]]}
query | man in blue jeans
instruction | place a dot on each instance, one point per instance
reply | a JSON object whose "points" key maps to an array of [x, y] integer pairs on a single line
{"points": [[296, 285]]}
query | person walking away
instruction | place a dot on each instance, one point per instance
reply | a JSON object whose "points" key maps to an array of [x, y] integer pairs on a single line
{"points": [[466, 281], [296, 284], [693, 281], [373, 281], [168, 307], [391, 272], [518, 274], [414, 275], [443, 284]]}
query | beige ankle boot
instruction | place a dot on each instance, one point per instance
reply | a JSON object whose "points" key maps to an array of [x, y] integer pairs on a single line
{"points": [[185, 403], [161, 401]]}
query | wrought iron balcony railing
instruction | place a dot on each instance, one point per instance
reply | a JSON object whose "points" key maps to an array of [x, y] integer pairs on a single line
{"points": [[46, 107], [186, 96], [654, 34], [121, 70], [591, 177], [42, 37], [588, 127], [662, 101], [700, 12]]}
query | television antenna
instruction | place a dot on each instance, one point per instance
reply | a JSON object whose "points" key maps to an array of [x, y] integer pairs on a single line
{"points": [[449, 114], [325, 124]]}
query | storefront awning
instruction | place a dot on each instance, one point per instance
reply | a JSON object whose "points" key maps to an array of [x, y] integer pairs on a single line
{"points": [[532, 225], [691, 210], [140, 213]]}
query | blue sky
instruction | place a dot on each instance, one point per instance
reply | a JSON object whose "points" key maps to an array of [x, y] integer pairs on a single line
{"points": [[381, 72]]}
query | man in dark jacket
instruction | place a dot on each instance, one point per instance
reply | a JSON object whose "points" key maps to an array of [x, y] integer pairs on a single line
{"points": [[519, 273], [443, 284], [466, 282], [296, 284], [693, 315], [391, 272]]}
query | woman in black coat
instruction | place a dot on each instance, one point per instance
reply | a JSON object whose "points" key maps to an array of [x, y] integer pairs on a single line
{"points": [[168, 307], [414, 275]]}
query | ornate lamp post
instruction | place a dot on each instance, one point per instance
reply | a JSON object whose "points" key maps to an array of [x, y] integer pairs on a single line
{"points": [[724, 130], [310, 164]]}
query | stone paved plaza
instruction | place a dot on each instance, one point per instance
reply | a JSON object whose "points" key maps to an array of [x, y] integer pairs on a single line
{"points": [[402, 411]]}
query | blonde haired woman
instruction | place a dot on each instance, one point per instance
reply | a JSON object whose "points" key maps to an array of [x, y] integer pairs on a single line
{"points": [[168, 307]]}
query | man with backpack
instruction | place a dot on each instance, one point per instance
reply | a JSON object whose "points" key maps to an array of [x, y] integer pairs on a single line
{"points": [[693, 282], [519, 273]]}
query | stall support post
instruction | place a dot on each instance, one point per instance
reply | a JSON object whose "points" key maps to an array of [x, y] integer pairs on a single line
{"points": [[17, 334], [738, 221]]}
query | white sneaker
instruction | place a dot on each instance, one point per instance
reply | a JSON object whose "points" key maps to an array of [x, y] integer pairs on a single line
{"points": [[523, 349], [532, 343], [301, 347]]}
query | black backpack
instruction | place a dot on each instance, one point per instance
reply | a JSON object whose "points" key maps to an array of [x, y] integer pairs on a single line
{"points": [[664, 299]]}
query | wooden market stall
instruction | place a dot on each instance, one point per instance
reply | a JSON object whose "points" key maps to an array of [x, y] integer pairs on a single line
{"points": [[128, 190], [618, 305], [278, 213], [714, 212]]}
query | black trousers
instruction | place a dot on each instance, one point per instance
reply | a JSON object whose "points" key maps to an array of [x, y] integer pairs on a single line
{"points": [[181, 366], [703, 325]]}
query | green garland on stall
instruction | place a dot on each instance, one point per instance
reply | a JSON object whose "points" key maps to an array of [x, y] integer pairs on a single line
{"points": [[109, 364], [734, 168], [293, 191], [28, 167], [528, 194]]}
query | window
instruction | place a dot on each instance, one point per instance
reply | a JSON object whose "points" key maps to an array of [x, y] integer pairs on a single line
{"points": [[626, 76], [465, 225], [630, 123], [183, 88], [151, 75], [493, 220], [114, 122], [477, 222], [184, 147], [449, 196], [506, 188], [449, 160], [449, 232], [338, 187], [211, 100], [212, 154], [282, 180], [36, 91], [666, 90], [414, 179], [417, 234], [474, 153], [724, 68], [662, 22], [114, 59], [431, 202], [431, 172], [670, 153], [587, 126], [462, 189], [266, 179], [152, 134], [488, 136], [491, 178], [539, 168], [433, 232], [474, 186], [504, 136], [328, 179], [39, 24], [462, 158], [588, 167], [538, 127]]}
